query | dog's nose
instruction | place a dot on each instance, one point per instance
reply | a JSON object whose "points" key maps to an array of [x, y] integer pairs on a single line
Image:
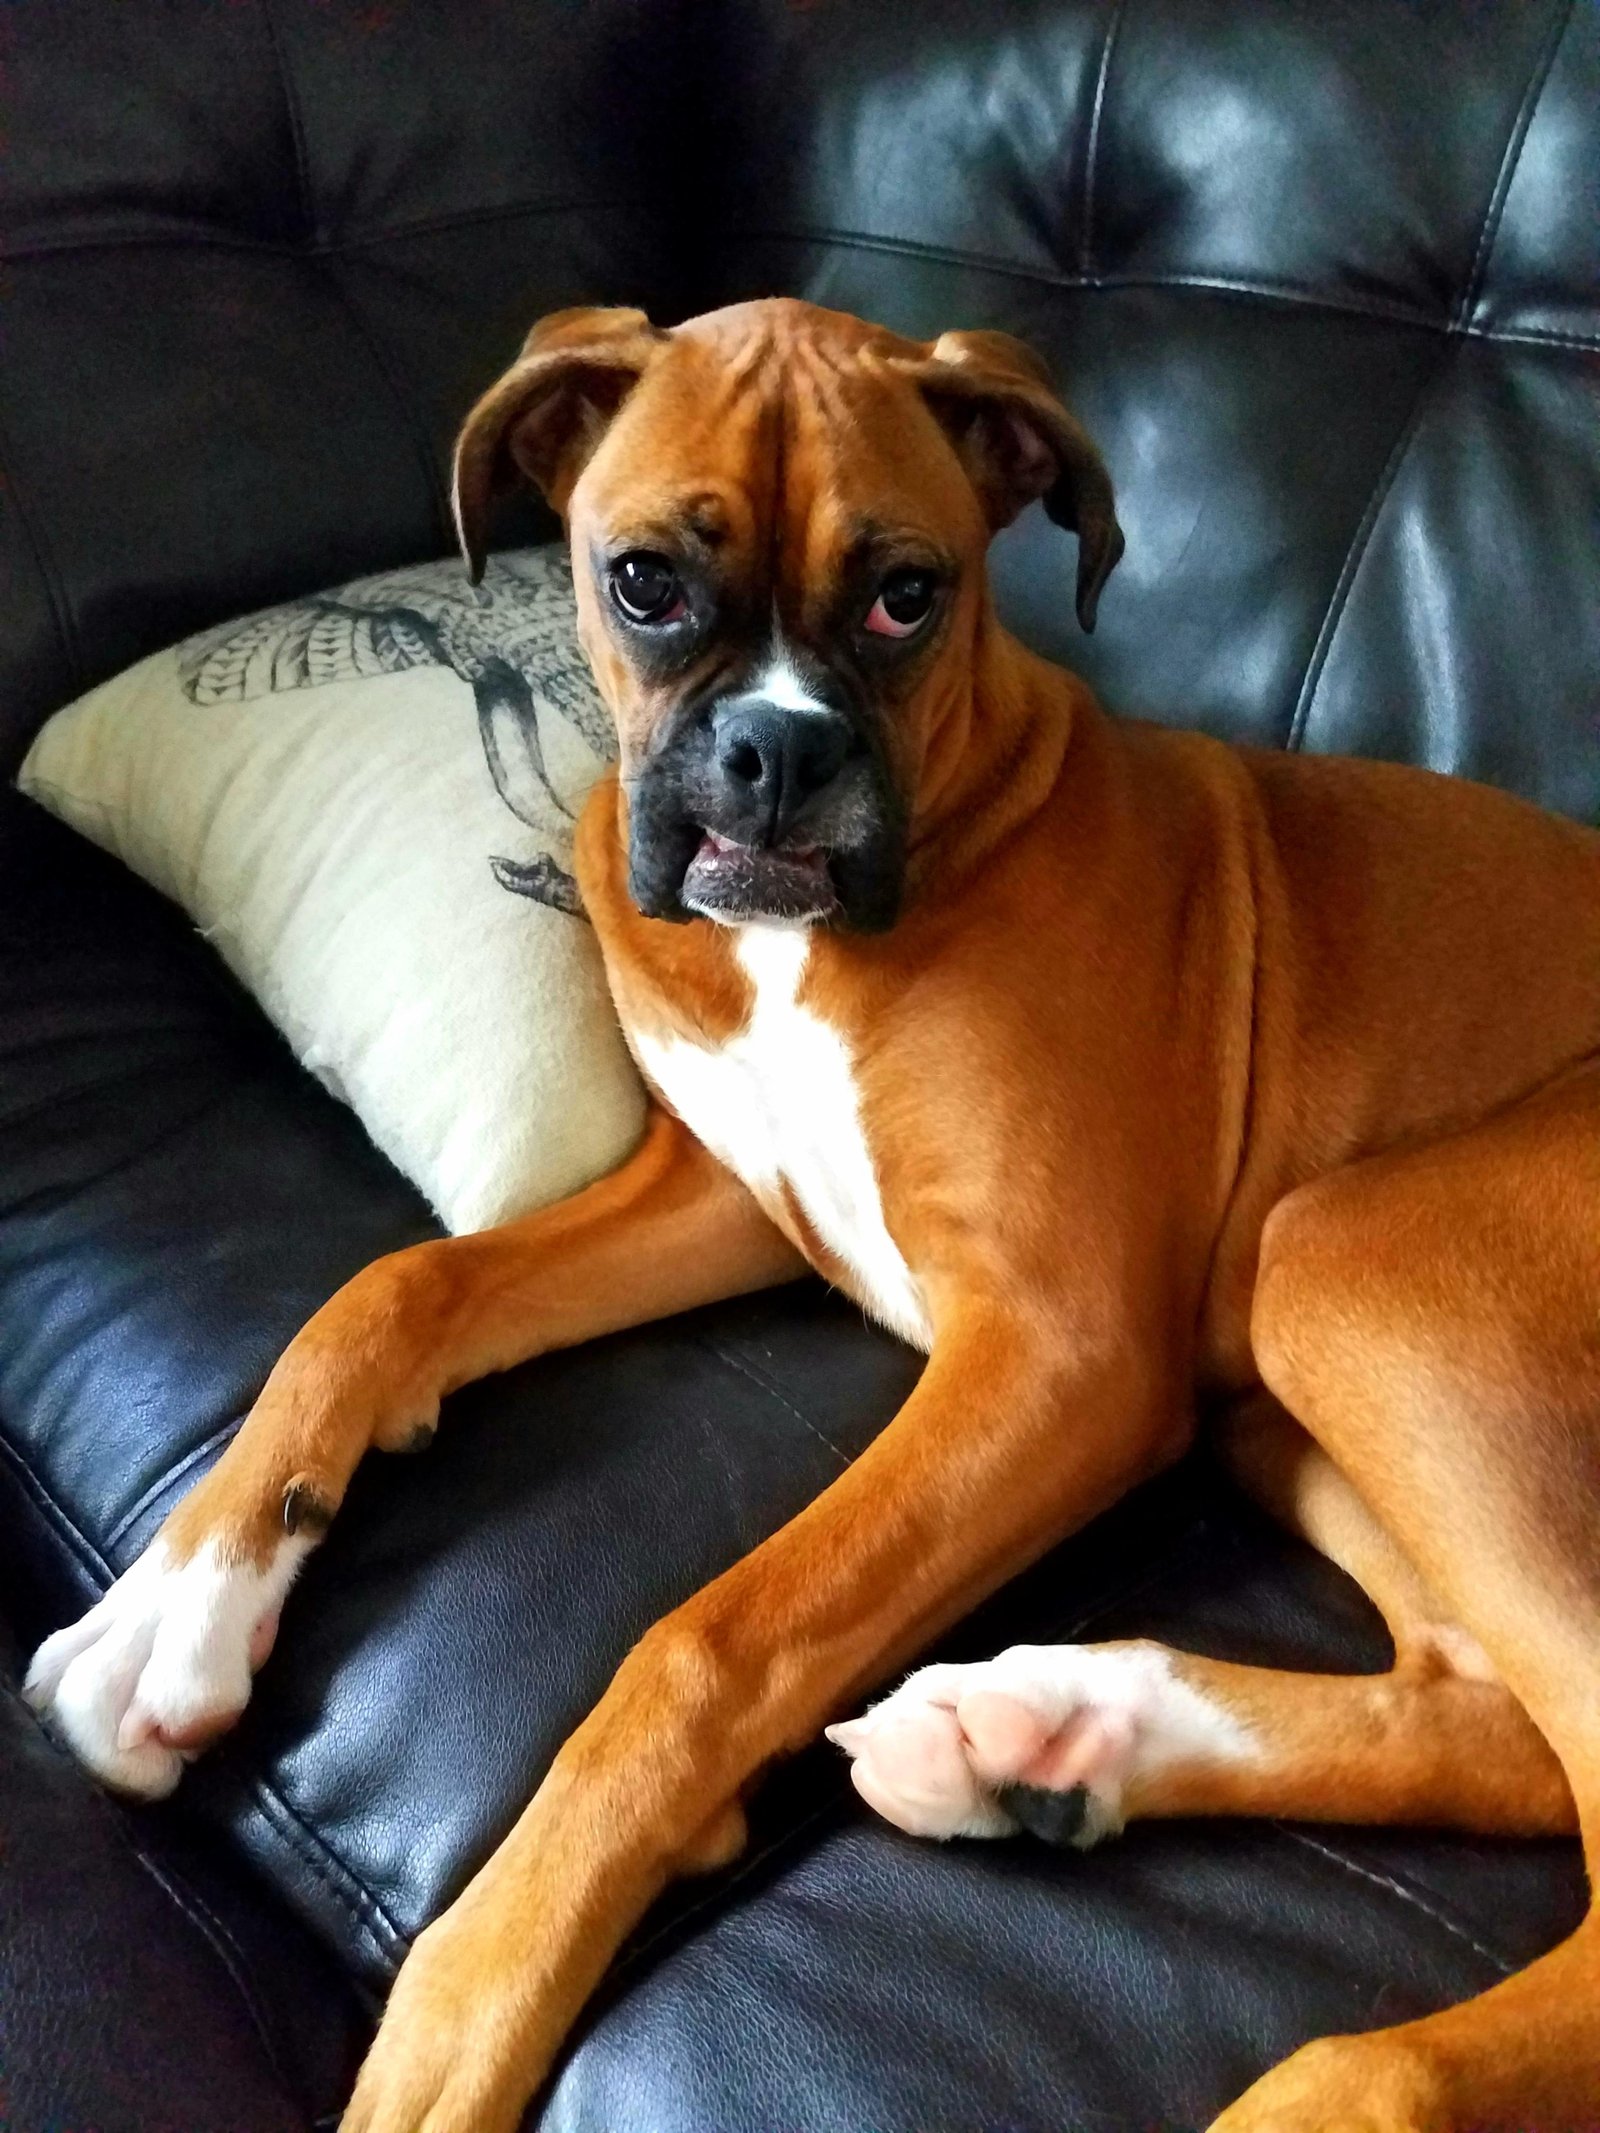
{"points": [[773, 759]]}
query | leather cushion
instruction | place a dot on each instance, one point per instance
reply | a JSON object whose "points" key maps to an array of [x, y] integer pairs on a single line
{"points": [[864, 1980], [143, 1988], [175, 1197]]}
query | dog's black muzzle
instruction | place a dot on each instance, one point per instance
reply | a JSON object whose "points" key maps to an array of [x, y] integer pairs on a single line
{"points": [[763, 810]]}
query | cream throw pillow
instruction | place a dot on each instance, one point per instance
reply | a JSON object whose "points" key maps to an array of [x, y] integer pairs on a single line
{"points": [[366, 801]]}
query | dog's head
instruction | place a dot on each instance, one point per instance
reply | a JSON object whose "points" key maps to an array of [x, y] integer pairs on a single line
{"points": [[778, 518]]}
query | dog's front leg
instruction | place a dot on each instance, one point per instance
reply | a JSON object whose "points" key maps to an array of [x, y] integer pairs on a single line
{"points": [[1006, 1444], [164, 1662]]}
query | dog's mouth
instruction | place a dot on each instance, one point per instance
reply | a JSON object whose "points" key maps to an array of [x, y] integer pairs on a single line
{"points": [[790, 883]]}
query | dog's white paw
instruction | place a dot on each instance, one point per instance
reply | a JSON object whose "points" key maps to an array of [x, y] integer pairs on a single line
{"points": [[1047, 1738], [163, 1663]]}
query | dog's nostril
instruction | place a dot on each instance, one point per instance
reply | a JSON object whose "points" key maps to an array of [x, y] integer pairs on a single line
{"points": [[773, 760]]}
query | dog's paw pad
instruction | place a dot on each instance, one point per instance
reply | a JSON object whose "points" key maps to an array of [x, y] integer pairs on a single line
{"points": [[162, 1664], [1052, 1817], [911, 1764], [1045, 1738]]}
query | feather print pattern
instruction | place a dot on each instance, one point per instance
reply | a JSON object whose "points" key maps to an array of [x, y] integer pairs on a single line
{"points": [[512, 639]]}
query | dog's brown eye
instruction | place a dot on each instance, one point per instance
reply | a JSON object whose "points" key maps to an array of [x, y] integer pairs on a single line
{"points": [[904, 603], [645, 587]]}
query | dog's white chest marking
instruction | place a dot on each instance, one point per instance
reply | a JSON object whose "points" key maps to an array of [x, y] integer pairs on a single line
{"points": [[777, 1103]]}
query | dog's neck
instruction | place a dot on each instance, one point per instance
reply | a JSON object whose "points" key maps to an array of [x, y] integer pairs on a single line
{"points": [[998, 740]]}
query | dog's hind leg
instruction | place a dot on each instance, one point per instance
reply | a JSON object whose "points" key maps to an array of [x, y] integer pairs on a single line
{"points": [[1433, 1319], [1071, 1741], [164, 1662]]}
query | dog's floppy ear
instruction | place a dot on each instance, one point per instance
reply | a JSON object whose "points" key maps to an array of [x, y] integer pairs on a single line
{"points": [[995, 399], [547, 414]]}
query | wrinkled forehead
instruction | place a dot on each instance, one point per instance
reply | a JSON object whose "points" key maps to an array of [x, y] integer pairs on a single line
{"points": [[799, 447]]}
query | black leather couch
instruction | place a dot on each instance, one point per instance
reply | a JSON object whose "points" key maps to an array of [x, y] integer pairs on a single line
{"points": [[1324, 280]]}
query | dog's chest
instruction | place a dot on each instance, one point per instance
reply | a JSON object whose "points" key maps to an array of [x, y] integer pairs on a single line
{"points": [[778, 1104]]}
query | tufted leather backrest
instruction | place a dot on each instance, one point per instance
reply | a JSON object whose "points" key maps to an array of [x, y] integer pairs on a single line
{"points": [[1323, 278], [258, 256]]}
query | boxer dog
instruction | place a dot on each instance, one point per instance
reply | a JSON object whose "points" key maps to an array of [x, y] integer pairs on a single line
{"points": [[1116, 1069]]}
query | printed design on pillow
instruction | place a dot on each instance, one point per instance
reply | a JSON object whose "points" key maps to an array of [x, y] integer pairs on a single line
{"points": [[511, 638]]}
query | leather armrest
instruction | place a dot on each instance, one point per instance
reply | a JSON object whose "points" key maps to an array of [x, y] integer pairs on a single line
{"points": [[126, 2001]]}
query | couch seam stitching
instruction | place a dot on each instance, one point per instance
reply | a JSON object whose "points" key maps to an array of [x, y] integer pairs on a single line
{"points": [[123, 1838], [229, 1954], [323, 256], [1510, 158], [1400, 1889], [291, 106], [48, 1195], [1532, 337], [764, 1384], [389, 369], [357, 240], [326, 1866], [1091, 150], [954, 255], [1355, 554], [1287, 293], [50, 1106], [89, 1555], [174, 1473], [55, 591], [1216, 285]]}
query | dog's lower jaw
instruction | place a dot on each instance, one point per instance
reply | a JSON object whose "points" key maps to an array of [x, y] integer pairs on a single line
{"points": [[859, 896], [734, 884], [735, 918], [842, 864]]}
